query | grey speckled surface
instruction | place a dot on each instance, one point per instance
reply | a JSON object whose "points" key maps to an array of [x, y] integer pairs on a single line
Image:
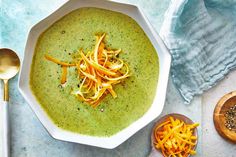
{"points": [[28, 136]]}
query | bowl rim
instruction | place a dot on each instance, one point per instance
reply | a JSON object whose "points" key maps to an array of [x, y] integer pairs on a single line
{"points": [[164, 67]]}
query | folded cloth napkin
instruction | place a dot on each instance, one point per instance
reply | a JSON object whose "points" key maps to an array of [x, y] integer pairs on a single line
{"points": [[201, 37]]}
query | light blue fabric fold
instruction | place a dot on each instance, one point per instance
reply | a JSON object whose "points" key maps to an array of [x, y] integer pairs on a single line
{"points": [[201, 37]]}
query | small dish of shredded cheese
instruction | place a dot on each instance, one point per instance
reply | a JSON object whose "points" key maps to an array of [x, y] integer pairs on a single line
{"points": [[175, 135]]}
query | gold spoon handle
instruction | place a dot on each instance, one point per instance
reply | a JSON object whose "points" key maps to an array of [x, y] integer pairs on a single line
{"points": [[5, 121], [6, 93]]}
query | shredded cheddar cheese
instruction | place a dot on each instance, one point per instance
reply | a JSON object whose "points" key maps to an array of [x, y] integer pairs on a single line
{"points": [[175, 138], [99, 70]]}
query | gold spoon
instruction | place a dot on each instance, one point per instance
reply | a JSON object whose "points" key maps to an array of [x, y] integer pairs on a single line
{"points": [[157, 153], [9, 67]]}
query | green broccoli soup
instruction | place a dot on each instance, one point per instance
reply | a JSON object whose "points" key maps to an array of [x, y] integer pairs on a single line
{"points": [[94, 72]]}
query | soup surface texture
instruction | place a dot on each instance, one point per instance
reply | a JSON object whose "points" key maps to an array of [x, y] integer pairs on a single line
{"points": [[75, 31]]}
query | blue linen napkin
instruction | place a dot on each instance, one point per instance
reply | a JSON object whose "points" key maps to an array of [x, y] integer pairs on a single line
{"points": [[201, 37]]}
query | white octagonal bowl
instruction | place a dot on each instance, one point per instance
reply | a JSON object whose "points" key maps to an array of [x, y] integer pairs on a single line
{"points": [[118, 138]]}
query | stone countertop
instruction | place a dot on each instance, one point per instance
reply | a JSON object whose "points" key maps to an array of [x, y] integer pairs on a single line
{"points": [[30, 139]]}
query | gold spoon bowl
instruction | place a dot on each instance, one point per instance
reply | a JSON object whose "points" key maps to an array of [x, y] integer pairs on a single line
{"points": [[9, 67]]}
